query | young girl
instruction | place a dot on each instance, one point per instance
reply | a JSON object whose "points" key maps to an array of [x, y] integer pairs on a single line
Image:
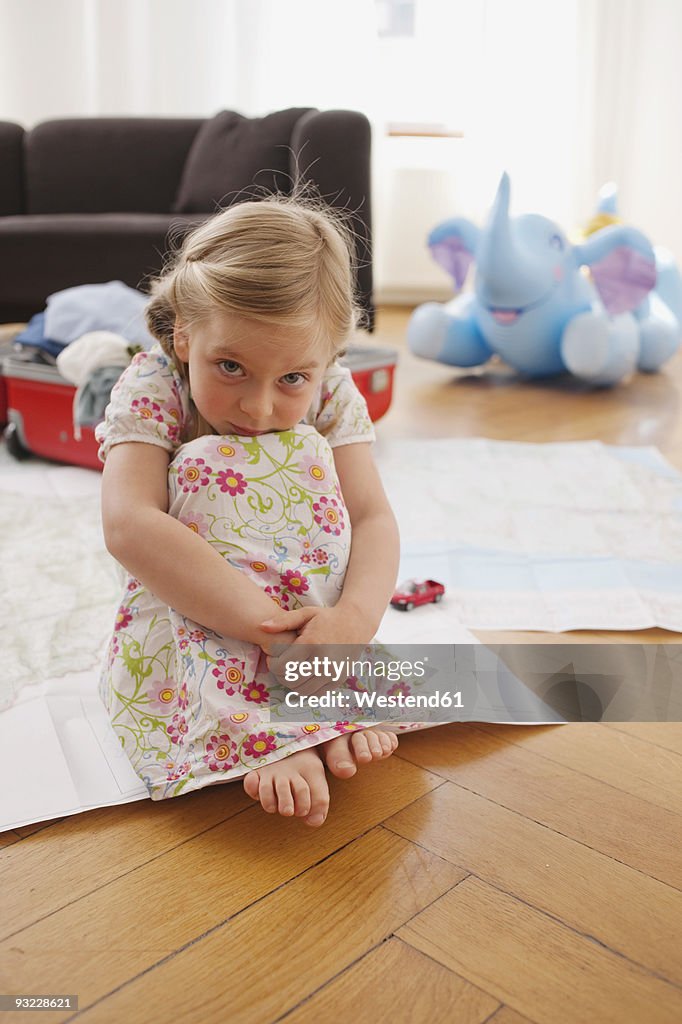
{"points": [[237, 460]]}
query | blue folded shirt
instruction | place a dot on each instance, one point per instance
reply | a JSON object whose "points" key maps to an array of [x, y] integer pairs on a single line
{"points": [[33, 336]]}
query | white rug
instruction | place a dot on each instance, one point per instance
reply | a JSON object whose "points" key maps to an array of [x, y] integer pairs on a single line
{"points": [[58, 584]]}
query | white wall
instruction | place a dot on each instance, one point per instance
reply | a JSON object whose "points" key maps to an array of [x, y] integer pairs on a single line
{"points": [[564, 94]]}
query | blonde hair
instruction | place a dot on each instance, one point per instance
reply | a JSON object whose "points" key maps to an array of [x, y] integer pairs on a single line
{"points": [[283, 260]]}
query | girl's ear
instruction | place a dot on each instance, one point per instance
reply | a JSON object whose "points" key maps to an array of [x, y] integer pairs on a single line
{"points": [[181, 342]]}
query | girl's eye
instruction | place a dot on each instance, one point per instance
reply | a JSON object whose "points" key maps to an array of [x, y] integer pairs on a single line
{"points": [[231, 368], [293, 378]]}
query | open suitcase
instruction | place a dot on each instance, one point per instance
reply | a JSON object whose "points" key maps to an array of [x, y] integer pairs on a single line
{"points": [[39, 405]]}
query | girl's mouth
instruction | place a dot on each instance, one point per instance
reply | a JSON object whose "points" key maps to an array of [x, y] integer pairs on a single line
{"points": [[246, 431]]}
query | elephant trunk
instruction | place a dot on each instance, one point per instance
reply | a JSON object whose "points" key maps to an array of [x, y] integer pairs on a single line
{"points": [[507, 272]]}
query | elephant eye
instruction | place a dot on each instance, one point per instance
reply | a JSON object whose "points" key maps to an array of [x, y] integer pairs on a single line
{"points": [[557, 242]]}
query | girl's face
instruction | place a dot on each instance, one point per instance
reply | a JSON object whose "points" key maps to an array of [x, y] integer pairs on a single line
{"points": [[248, 377]]}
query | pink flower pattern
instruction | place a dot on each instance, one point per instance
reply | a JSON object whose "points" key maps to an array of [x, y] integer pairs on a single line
{"points": [[231, 482], [279, 596], [124, 617], [177, 729], [316, 473], [162, 695], [146, 409], [220, 754], [193, 474], [327, 514], [196, 521], [256, 693], [294, 581], [229, 675], [176, 771], [259, 744]]}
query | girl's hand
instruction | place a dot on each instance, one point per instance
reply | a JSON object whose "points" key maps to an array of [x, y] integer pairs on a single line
{"points": [[316, 626], [286, 637], [338, 625]]}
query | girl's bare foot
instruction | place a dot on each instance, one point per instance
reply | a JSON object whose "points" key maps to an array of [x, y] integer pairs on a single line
{"points": [[296, 785], [343, 754]]}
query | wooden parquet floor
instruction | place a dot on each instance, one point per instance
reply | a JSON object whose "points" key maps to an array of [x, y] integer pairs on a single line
{"points": [[499, 874]]}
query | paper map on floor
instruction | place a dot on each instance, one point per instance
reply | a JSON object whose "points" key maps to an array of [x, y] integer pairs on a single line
{"points": [[539, 537]]}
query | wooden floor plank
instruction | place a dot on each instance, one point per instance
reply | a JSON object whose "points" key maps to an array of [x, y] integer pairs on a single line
{"points": [[620, 759], [37, 826], [134, 921], [622, 826], [397, 983], [625, 910], [661, 734], [86, 851], [9, 837], [335, 913], [536, 965], [505, 1015]]}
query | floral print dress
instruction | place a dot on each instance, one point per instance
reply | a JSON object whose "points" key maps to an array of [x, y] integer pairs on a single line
{"points": [[190, 707]]}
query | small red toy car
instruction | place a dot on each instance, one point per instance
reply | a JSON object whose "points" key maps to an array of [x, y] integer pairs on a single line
{"points": [[414, 592]]}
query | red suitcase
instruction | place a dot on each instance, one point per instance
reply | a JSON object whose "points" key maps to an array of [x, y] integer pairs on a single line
{"points": [[372, 370], [40, 405], [40, 415]]}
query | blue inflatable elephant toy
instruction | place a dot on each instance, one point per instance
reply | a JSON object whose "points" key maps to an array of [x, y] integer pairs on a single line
{"points": [[533, 305]]}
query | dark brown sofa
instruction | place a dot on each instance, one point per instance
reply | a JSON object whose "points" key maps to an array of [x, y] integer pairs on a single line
{"points": [[94, 199]]}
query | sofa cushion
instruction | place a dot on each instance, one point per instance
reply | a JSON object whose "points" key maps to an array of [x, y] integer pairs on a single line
{"points": [[232, 152], [11, 168], [106, 164], [44, 254]]}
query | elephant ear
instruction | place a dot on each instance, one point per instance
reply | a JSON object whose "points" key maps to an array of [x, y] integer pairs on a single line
{"points": [[623, 267], [453, 247]]}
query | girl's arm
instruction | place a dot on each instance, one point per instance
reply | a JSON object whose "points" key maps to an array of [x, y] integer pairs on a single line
{"points": [[175, 563], [373, 565], [375, 546]]}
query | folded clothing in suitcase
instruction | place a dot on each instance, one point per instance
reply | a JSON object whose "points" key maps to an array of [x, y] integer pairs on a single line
{"points": [[40, 404]]}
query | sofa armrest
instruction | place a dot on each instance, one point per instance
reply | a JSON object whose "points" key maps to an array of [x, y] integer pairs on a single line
{"points": [[11, 169], [332, 149]]}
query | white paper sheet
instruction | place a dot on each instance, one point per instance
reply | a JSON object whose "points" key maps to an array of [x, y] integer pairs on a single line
{"points": [[61, 754]]}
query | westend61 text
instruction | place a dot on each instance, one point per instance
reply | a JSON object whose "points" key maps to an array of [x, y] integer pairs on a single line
{"points": [[359, 699]]}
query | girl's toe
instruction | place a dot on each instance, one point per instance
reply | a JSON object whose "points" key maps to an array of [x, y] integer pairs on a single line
{"points": [[374, 743], [361, 748], [285, 798], [252, 784], [318, 809], [339, 759], [302, 798], [386, 746], [268, 798]]}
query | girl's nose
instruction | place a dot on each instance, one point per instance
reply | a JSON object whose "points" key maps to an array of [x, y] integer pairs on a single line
{"points": [[257, 405]]}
